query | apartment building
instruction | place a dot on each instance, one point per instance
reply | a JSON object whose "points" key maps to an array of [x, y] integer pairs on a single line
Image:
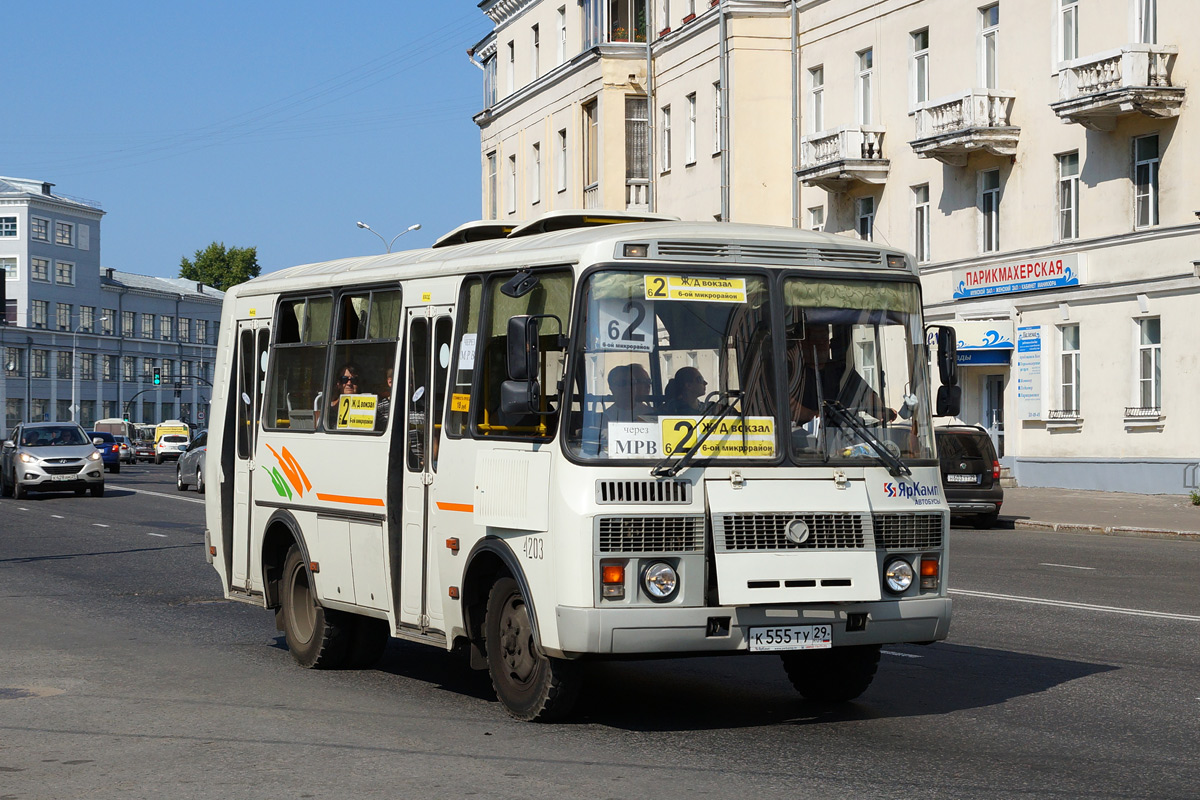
{"points": [[1036, 156], [80, 341]]}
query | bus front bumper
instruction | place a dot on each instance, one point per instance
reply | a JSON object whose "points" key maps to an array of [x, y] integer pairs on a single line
{"points": [[673, 630]]}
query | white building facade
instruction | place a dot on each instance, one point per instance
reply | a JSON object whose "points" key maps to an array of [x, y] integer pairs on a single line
{"points": [[1037, 156], [82, 342]]}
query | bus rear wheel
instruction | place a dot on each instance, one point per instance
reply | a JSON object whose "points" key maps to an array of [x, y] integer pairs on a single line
{"points": [[837, 675], [316, 637], [530, 685]]}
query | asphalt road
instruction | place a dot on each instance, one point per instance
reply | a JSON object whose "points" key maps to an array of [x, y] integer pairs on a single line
{"points": [[1072, 670]]}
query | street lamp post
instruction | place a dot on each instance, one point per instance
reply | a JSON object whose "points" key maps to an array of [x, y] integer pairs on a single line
{"points": [[75, 371], [409, 229]]}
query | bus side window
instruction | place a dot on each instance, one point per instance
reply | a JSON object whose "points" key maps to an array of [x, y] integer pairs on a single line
{"points": [[368, 328], [297, 371], [463, 370], [552, 296]]}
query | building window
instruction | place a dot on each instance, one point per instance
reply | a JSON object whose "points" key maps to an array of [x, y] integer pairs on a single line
{"points": [[1068, 29], [63, 364], [87, 318], [64, 273], [185, 329], [9, 265], [591, 146], [147, 326], [920, 66], [816, 99], [13, 366], [1150, 363], [108, 367], [665, 146], [168, 367], [10, 311], [127, 324], [165, 324], [491, 184], [1145, 178], [535, 173], [990, 21], [148, 370], [989, 207], [689, 146], [40, 310], [560, 169], [921, 223], [511, 75], [108, 321], [128, 368], [511, 184], [39, 229], [562, 34], [201, 331], [39, 269], [1068, 196], [1146, 19], [64, 234], [637, 139], [718, 112], [866, 68], [62, 316], [1070, 368], [535, 52], [489, 82], [816, 218], [41, 364], [87, 366], [8, 227], [865, 214], [185, 370]]}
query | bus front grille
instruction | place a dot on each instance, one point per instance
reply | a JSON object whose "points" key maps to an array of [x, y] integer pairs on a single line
{"points": [[920, 531], [825, 531], [643, 492], [675, 534]]}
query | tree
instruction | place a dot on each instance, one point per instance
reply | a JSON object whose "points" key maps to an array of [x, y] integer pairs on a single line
{"points": [[220, 267]]}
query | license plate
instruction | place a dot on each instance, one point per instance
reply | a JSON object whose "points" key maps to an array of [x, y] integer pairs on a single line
{"points": [[61, 477], [962, 479], [790, 637]]}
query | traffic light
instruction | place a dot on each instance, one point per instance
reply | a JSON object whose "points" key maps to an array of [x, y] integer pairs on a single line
{"points": [[157, 376]]}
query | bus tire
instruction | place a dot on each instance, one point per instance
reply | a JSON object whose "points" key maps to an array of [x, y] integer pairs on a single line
{"points": [[837, 675], [316, 637], [369, 638], [531, 686]]}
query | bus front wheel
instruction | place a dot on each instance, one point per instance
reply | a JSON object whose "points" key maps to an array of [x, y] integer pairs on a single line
{"points": [[832, 676], [316, 637], [531, 686]]}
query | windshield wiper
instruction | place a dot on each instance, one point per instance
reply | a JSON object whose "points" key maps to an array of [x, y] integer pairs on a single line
{"points": [[849, 419], [664, 469]]}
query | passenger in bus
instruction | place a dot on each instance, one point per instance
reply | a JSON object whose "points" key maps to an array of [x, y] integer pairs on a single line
{"points": [[384, 408], [346, 382], [824, 364], [683, 392], [630, 386]]}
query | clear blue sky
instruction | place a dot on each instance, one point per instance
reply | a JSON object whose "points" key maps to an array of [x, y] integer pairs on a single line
{"points": [[252, 122]]}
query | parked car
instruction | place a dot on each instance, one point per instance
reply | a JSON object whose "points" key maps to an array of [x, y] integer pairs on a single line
{"points": [[143, 450], [970, 472], [110, 451], [50, 456], [126, 448], [190, 469], [169, 447]]}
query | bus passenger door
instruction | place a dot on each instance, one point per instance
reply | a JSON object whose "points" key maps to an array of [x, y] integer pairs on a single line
{"points": [[253, 338], [427, 368]]}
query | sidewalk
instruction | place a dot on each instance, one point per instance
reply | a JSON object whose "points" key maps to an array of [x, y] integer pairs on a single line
{"points": [[1100, 512]]}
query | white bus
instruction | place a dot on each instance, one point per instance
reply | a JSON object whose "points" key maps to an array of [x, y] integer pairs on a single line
{"points": [[583, 440]]}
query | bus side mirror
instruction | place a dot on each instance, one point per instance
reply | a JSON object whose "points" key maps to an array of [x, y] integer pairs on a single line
{"points": [[949, 401], [947, 354], [523, 348]]}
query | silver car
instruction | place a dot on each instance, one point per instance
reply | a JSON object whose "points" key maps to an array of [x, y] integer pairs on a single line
{"points": [[190, 468], [50, 457]]}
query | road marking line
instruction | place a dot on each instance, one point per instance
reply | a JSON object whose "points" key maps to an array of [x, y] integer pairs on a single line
{"points": [[56, 516], [1083, 606], [99, 525], [158, 494], [161, 535], [901, 655], [1065, 566]]}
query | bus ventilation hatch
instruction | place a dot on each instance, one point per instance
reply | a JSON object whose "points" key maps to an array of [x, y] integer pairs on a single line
{"points": [[643, 492]]}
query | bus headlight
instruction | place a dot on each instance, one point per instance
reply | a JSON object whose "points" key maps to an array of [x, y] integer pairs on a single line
{"points": [[660, 580], [897, 575]]}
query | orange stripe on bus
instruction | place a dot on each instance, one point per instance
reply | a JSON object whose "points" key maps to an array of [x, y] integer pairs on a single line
{"points": [[456, 507], [358, 501]]}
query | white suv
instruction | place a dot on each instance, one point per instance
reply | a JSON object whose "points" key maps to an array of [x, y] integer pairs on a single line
{"points": [[170, 447]]}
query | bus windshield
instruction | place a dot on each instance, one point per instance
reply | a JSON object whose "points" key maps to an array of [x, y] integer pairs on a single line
{"points": [[673, 362]]}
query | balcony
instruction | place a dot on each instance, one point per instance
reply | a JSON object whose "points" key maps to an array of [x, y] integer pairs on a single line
{"points": [[1136, 78], [835, 160], [637, 194], [951, 129], [591, 196]]}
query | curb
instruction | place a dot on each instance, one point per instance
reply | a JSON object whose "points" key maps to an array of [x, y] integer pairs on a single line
{"points": [[1108, 530]]}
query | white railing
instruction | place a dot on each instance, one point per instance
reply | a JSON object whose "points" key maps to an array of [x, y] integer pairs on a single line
{"points": [[842, 144], [977, 108], [637, 194], [591, 196], [1130, 66]]}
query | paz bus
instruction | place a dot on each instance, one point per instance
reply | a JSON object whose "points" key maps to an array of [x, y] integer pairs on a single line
{"points": [[587, 437]]}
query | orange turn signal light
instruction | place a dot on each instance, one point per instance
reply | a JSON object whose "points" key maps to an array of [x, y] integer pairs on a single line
{"points": [[612, 573], [452, 544], [314, 567], [929, 568], [453, 592], [212, 549]]}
